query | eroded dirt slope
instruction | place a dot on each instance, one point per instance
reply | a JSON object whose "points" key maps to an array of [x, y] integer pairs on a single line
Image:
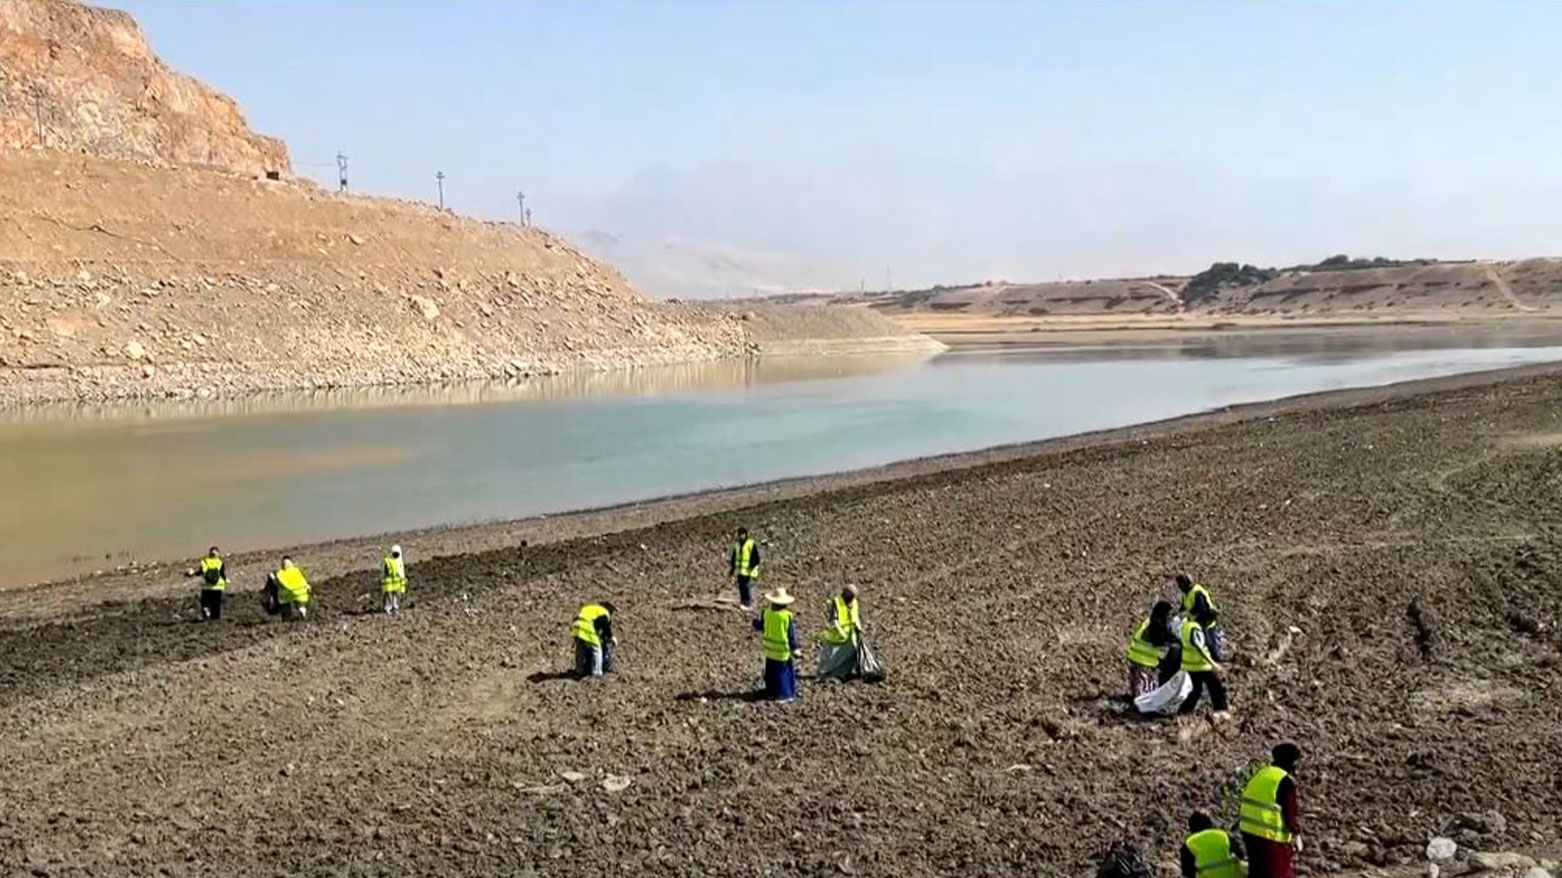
{"points": [[438, 742]]}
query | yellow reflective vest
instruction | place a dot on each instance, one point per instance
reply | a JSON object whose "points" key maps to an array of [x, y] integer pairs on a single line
{"points": [[292, 587], [777, 626], [847, 621], [744, 552], [1142, 652], [1261, 814], [1194, 657], [395, 575], [585, 626], [211, 573], [1211, 849], [1191, 597]]}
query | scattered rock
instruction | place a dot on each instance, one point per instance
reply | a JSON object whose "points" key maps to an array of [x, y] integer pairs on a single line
{"points": [[1492, 861], [1484, 822], [1428, 628], [355, 239], [426, 306], [1441, 849], [614, 783], [289, 769], [572, 776], [135, 350]]}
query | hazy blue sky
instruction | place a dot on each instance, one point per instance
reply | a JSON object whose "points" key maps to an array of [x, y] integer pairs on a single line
{"points": [[728, 147]]}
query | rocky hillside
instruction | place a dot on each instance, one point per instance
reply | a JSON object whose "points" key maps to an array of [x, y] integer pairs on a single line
{"points": [[1531, 285], [124, 280], [1423, 288], [1002, 299], [200, 270], [78, 78]]}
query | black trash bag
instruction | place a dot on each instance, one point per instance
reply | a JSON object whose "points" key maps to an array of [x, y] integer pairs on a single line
{"points": [[1124, 860], [268, 597]]}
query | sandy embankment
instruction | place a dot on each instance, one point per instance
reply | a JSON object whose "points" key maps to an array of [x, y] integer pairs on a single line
{"points": [[959, 330], [1002, 584]]}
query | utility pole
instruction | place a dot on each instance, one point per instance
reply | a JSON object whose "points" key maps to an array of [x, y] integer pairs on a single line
{"points": [[38, 112], [526, 219], [341, 173], [440, 176], [520, 198], [889, 280]]}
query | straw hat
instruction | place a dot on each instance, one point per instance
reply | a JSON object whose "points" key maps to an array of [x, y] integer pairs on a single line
{"points": [[779, 597]]}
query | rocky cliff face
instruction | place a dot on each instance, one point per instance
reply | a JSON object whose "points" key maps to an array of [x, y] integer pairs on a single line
{"points": [[79, 78], [171, 276]]}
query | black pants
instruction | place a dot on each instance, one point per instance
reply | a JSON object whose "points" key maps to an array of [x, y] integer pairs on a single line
{"points": [[1217, 691], [745, 592], [211, 603]]}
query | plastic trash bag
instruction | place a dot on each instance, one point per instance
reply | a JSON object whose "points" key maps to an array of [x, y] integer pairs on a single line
{"points": [[868, 665], [1167, 698], [1124, 860]]}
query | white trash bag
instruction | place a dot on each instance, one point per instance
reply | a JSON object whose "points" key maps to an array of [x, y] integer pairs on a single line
{"points": [[1167, 698]]}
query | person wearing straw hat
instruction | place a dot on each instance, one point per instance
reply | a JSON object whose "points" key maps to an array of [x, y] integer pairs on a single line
{"points": [[393, 581], [776, 625]]}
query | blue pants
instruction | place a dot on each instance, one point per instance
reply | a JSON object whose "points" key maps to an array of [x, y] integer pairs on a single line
{"points": [[780, 680], [593, 661]]}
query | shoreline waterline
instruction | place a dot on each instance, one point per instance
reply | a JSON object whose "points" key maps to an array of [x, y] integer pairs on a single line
{"points": [[329, 559]]}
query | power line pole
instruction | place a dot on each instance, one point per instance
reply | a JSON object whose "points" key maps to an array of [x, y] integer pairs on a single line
{"points": [[341, 173], [527, 218], [440, 176], [38, 112], [520, 199]]}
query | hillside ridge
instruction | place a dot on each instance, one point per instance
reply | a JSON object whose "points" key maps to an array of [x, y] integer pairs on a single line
{"points": [[156, 247]]}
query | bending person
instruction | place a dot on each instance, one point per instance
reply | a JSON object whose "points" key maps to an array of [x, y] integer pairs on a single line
{"points": [[594, 640], [842, 640]]}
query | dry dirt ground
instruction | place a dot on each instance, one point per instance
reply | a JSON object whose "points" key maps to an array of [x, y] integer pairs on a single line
{"points": [[1001, 586]]}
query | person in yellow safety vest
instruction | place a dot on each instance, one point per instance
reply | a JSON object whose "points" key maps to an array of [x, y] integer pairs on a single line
{"points": [[778, 627], [595, 641], [292, 590], [838, 659], [1147, 648], [1269, 816], [1201, 668], [1209, 852], [393, 581], [743, 566], [214, 581], [1196, 601]]}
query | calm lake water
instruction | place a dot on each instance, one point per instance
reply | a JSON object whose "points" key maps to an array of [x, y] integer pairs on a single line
{"points": [[88, 488]]}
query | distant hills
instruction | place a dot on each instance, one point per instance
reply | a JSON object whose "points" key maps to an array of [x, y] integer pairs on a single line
{"points": [[1339, 285]]}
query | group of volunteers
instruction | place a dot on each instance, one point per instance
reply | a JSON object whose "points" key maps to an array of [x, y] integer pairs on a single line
{"points": [[1267, 826], [843, 649], [844, 652], [1174, 655], [286, 593]]}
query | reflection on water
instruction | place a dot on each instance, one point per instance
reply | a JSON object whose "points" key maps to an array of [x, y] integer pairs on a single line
{"points": [[645, 381], [89, 488], [1332, 345]]}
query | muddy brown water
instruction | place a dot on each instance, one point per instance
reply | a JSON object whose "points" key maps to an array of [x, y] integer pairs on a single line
{"points": [[92, 488]]}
